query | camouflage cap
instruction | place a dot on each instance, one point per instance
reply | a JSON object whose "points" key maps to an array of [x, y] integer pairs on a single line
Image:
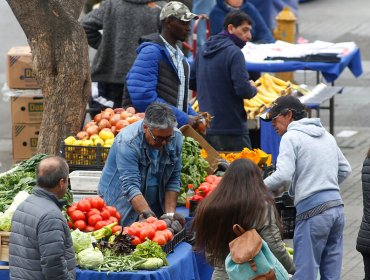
{"points": [[177, 10]]}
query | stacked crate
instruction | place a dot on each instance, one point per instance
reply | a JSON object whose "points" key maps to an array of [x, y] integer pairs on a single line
{"points": [[26, 103]]}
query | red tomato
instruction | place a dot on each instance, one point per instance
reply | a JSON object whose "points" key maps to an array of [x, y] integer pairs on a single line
{"points": [[100, 224], [113, 220], [159, 238], [70, 224], [77, 215], [97, 202], [84, 205], [161, 225], [104, 213], [139, 225], [112, 210], [147, 232], [168, 234], [211, 178], [151, 220], [152, 225], [80, 224], [71, 208], [118, 216], [93, 211], [89, 228], [116, 229], [93, 219], [136, 241], [134, 231]]}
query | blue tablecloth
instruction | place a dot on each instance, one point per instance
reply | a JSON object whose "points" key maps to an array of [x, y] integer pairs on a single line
{"points": [[330, 71], [182, 266]]}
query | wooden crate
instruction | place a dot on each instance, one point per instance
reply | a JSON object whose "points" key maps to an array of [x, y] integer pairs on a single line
{"points": [[4, 246]]}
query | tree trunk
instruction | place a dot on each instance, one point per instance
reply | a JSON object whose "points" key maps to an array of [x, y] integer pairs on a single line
{"points": [[61, 65]]}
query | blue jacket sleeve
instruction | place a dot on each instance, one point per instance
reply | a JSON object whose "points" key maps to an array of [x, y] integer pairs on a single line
{"points": [[260, 32], [142, 82], [240, 77]]}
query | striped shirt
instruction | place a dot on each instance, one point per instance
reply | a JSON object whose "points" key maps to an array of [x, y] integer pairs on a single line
{"points": [[177, 57]]}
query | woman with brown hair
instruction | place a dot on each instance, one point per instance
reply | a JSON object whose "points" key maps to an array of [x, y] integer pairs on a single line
{"points": [[363, 241], [240, 198]]}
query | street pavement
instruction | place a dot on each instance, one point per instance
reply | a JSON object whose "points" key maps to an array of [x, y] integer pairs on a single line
{"points": [[326, 20]]}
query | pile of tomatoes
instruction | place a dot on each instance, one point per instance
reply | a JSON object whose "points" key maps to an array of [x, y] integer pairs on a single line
{"points": [[205, 188], [91, 213], [151, 228]]}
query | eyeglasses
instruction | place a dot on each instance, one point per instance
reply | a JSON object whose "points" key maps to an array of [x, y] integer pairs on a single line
{"points": [[160, 139]]}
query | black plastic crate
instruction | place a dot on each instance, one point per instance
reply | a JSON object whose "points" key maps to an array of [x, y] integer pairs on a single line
{"points": [[177, 238], [84, 157], [287, 211]]}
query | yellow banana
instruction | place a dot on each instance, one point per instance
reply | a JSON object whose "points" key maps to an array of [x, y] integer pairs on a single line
{"points": [[278, 81]]}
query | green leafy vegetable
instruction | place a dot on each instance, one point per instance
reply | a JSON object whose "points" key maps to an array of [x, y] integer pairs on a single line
{"points": [[150, 249], [81, 240]]}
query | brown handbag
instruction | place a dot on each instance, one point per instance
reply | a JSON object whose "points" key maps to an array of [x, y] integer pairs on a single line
{"points": [[245, 247]]}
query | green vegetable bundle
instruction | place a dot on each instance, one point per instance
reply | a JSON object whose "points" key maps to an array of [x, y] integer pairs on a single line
{"points": [[194, 167]]}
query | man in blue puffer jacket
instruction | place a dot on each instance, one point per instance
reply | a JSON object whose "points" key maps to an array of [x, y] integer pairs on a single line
{"points": [[161, 72]]}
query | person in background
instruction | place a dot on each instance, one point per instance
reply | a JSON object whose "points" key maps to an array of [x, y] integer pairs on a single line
{"points": [[220, 77], [261, 34], [114, 30], [202, 7], [40, 245], [141, 176], [312, 166], [160, 72], [240, 198], [363, 241]]}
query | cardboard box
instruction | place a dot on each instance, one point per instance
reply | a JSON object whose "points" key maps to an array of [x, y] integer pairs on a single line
{"points": [[25, 138], [26, 109], [19, 68], [4, 246], [212, 154]]}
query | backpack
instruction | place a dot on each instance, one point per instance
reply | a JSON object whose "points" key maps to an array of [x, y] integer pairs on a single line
{"points": [[251, 259]]}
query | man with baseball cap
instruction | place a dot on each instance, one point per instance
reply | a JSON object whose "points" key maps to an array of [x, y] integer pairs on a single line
{"points": [[160, 72], [311, 164]]}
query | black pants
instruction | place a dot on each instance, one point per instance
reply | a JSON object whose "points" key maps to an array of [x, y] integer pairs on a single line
{"points": [[366, 258], [110, 92], [229, 142]]}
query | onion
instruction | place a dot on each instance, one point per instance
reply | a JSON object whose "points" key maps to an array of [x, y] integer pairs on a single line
{"points": [[103, 124], [82, 135], [121, 124], [92, 129], [106, 115], [125, 115], [114, 119], [132, 119], [140, 115], [90, 123], [118, 110], [131, 110], [97, 118], [113, 129]]}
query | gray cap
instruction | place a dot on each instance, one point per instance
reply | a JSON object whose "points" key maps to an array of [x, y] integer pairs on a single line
{"points": [[177, 10]]}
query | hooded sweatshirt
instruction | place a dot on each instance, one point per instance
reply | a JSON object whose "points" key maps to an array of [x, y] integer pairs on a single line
{"points": [[220, 77], [311, 163], [114, 30], [260, 31]]}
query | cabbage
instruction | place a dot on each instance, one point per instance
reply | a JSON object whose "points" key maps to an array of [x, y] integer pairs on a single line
{"points": [[6, 217], [90, 258], [81, 240]]}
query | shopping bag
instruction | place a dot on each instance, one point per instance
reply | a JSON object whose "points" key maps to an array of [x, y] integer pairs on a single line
{"points": [[250, 258]]}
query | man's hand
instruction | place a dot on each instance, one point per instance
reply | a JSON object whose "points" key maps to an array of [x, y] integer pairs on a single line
{"points": [[192, 120], [146, 214]]}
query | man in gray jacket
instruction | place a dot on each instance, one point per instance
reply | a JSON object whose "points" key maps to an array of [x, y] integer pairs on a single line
{"points": [[114, 30], [40, 244], [311, 164]]}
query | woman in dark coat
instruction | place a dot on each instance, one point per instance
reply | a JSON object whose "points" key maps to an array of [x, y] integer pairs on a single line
{"points": [[363, 239]]}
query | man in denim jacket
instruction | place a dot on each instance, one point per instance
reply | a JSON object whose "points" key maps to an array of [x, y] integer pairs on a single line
{"points": [[142, 173]]}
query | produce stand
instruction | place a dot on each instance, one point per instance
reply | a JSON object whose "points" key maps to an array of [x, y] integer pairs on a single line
{"points": [[182, 266]]}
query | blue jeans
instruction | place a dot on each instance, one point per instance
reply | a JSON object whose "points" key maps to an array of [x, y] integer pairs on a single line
{"points": [[318, 245]]}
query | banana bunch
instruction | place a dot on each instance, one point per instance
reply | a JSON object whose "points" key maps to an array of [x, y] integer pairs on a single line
{"points": [[268, 89], [195, 105]]}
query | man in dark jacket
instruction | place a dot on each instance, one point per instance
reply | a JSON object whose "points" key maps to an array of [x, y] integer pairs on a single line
{"points": [[160, 72], [220, 77], [114, 30], [41, 245]]}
